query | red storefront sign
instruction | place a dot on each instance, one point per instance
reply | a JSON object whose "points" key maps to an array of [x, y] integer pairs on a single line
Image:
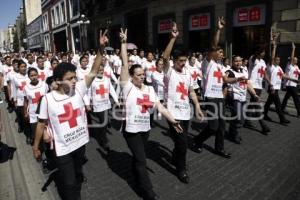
{"points": [[255, 14], [251, 15], [243, 15], [164, 26], [200, 21]]}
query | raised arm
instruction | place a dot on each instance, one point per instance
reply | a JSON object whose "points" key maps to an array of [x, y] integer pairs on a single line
{"points": [[98, 60], [274, 47], [167, 51], [220, 26], [293, 51], [124, 77]]}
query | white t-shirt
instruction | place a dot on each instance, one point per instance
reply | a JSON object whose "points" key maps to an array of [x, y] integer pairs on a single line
{"points": [[275, 74], [139, 104], [293, 72], [19, 82], [195, 74], [158, 84], [257, 73], [149, 68], [67, 120], [239, 88]]}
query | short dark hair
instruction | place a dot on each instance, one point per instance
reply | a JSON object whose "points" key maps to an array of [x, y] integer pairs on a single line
{"points": [[53, 60], [212, 49], [50, 80], [81, 58], [132, 69], [15, 61], [21, 62], [62, 69], [179, 53], [39, 58], [31, 69]]}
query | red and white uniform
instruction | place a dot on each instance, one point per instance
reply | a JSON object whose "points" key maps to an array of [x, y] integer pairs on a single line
{"points": [[239, 88], [195, 74], [275, 73], [257, 73], [66, 119], [135, 59], [108, 73], [99, 94], [81, 74], [177, 93], [149, 68], [292, 71], [213, 80], [43, 74], [139, 104], [158, 84], [9, 79], [19, 82], [33, 93], [6, 69]]}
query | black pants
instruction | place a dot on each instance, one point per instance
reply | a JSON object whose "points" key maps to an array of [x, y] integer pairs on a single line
{"points": [[215, 126], [99, 122], [274, 98], [9, 102], [22, 123], [239, 118], [70, 173], [291, 91], [256, 113], [137, 144], [180, 145]]}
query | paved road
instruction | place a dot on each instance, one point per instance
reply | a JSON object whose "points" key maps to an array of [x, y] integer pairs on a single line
{"points": [[263, 167]]}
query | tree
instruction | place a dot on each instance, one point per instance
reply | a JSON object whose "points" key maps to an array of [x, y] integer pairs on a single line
{"points": [[23, 34]]}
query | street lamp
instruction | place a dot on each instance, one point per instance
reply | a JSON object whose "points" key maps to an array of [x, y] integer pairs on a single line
{"points": [[83, 21]]}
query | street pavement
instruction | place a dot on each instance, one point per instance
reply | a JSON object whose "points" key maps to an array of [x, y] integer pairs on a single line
{"points": [[262, 167]]}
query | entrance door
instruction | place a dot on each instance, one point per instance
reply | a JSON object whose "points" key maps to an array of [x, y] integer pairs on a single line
{"points": [[246, 39], [199, 40], [60, 41]]}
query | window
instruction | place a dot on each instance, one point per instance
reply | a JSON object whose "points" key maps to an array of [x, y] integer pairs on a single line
{"points": [[74, 4], [45, 22], [52, 18], [63, 14], [57, 17]]}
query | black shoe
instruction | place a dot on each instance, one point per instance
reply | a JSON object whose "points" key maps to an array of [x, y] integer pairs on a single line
{"points": [[16, 120], [183, 176], [266, 117], [223, 153], [11, 152], [198, 148], [284, 121], [10, 110], [265, 130]]}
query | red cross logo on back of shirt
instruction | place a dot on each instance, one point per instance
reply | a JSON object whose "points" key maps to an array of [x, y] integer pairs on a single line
{"points": [[36, 98], [101, 91], [218, 75], [70, 115], [194, 75], [7, 71], [42, 76], [180, 89], [243, 84], [152, 68], [145, 103], [280, 74], [261, 71], [21, 87]]}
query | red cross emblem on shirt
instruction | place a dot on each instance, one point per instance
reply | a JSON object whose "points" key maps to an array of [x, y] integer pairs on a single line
{"points": [[21, 87], [42, 76], [180, 89], [218, 75], [296, 73], [145, 103], [279, 73], [101, 91], [152, 68], [70, 115], [36, 98], [243, 84], [106, 74], [261, 71], [194, 75], [7, 71]]}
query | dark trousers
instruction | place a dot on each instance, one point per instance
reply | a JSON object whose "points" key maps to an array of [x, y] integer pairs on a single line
{"points": [[22, 123], [32, 130], [215, 126], [99, 122], [237, 123], [291, 91], [180, 145], [9, 102], [137, 144], [256, 113], [274, 98], [70, 173]]}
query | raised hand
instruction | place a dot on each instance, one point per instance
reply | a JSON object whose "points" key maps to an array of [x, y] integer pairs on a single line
{"points": [[221, 23], [103, 40], [123, 35], [175, 31], [293, 45]]}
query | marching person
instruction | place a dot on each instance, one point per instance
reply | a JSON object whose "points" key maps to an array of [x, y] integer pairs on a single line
{"points": [[276, 75], [64, 111], [140, 100], [179, 87], [213, 80], [33, 92], [292, 71], [238, 101]]}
